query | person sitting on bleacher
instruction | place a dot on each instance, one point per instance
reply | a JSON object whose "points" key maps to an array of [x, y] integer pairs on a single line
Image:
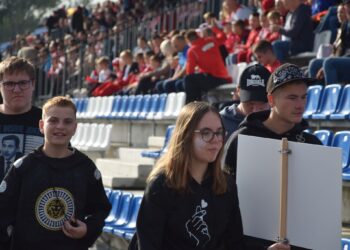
{"points": [[263, 53], [297, 32], [251, 91], [205, 68], [334, 69], [189, 202]]}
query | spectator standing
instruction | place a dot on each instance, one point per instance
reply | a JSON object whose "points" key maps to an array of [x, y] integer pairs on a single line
{"points": [[297, 32], [56, 192], [251, 91], [17, 115]]}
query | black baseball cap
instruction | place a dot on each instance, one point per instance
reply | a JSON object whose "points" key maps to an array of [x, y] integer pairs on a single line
{"points": [[284, 74], [252, 83]]}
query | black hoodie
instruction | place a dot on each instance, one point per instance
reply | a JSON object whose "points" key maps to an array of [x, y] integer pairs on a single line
{"points": [[253, 125], [40, 193]]}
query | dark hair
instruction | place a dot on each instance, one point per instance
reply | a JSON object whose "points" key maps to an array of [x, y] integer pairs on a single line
{"points": [[191, 35], [262, 46], [11, 138]]}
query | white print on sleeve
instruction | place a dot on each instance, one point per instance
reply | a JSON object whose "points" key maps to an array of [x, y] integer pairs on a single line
{"points": [[196, 227]]}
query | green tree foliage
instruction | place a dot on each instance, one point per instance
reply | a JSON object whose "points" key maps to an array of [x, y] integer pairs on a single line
{"points": [[21, 16]]}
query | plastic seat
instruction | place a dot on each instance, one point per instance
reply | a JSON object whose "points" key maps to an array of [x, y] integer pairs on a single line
{"points": [[90, 108], [81, 133], [169, 106], [97, 107], [109, 107], [115, 202], [92, 137], [329, 101], [83, 107], [153, 107], [343, 110], [124, 106], [342, 139], [76, 137], [147, 101], [325, 136], [156, 154], [104, 139], [116, 107], [139, 101], [122, 214], [130, 227], [313, 98], [103, 106], [345, 244], [108, 192], [161, 107], [130, 107], [86, 135], [180, 102]]}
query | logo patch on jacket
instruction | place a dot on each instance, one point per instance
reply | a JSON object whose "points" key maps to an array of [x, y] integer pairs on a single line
{"points": [[54, 207]]}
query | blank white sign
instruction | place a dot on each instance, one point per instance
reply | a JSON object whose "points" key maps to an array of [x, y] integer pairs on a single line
{"points": [[314, 191]]}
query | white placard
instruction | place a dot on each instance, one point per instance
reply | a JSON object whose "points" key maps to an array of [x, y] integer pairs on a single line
{"points": [[314, 191]]}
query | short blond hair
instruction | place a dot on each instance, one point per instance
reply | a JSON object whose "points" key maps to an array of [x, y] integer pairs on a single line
{"points": [[58, 101]]}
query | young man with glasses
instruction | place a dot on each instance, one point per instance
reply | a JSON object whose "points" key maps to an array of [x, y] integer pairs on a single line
{"points": [[17, 115]]}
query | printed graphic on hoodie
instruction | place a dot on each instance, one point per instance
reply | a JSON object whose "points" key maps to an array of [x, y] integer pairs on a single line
{"points": [[53, 207], [196, 226]]}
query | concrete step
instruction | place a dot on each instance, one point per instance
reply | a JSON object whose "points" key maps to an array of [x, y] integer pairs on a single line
{"points": [[120, 174], [155, 142], [127, 154]]}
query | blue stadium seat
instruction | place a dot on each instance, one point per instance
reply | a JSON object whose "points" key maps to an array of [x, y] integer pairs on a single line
{"points": [[313, 97], [156, 154], [147, 103], [159, 114], [345, 244], [124, 106], [130, 227], [343, 110], [329, 101], [115, 202], [116, 107], [122, 213], [342, 139], [308, 130], [138, 107], [108, 192], [130, 107], [154, 103], [82, 107], [325, 136]]}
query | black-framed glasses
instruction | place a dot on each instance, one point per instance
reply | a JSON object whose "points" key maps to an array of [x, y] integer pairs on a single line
{"points": [[23, 84], [208, 135]]}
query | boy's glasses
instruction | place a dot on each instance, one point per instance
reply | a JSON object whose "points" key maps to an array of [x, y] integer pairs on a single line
{"points": [[208, 134], [23, 84]]}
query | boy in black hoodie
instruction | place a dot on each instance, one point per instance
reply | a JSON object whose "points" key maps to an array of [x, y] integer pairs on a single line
{"points": [[286, 94], [53, 198]]}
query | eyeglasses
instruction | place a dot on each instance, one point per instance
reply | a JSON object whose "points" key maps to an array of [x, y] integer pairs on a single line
{"points": [[208, 134], [23, 84]]}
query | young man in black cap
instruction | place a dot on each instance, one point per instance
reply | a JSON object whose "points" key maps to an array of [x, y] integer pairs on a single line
{"points": [[286, 94], [251, 90]]}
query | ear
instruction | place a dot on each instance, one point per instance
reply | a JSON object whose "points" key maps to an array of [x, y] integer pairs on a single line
{"points": [[41, 126], [270, 100]]}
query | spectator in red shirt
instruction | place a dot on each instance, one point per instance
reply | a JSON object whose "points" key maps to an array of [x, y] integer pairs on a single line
{"points": [[204, 68], [263, 52]]}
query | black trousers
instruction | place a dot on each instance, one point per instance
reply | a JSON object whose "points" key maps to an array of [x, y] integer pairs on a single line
{"points": [[196, 84]]}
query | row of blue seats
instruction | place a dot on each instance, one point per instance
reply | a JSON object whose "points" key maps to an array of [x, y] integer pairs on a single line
{"points": [[339, 139], [132, 107], [121, 220], [331, 102]]}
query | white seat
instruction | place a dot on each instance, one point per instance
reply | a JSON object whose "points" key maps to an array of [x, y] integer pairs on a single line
{"points": [[100, 112], [92, 137], [104, 136], [170, 102], [180, 102], [170, 106], [78, 133], [85, 137], [109, 106], [90, 108], [96, 108]]}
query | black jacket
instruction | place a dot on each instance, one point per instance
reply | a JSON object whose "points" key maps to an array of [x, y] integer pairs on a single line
{"points": [[253, 125], [40, 193], [199, 219]]}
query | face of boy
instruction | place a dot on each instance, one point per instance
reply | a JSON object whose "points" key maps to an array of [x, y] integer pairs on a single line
{"points": [[262, 58], [288, 102], [58, 126], [17, 100]]}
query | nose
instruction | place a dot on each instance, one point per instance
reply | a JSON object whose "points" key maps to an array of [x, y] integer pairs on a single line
{"points": [[17, 88]]}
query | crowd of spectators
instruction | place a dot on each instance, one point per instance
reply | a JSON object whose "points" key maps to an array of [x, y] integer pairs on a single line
{"points": [[79, 42]]}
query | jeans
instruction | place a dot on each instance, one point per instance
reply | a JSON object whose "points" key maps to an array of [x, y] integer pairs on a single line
{"points": [[336, 69]]}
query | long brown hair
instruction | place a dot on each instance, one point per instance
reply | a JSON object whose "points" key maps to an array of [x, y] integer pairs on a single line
{"points": [[175, 163]]}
